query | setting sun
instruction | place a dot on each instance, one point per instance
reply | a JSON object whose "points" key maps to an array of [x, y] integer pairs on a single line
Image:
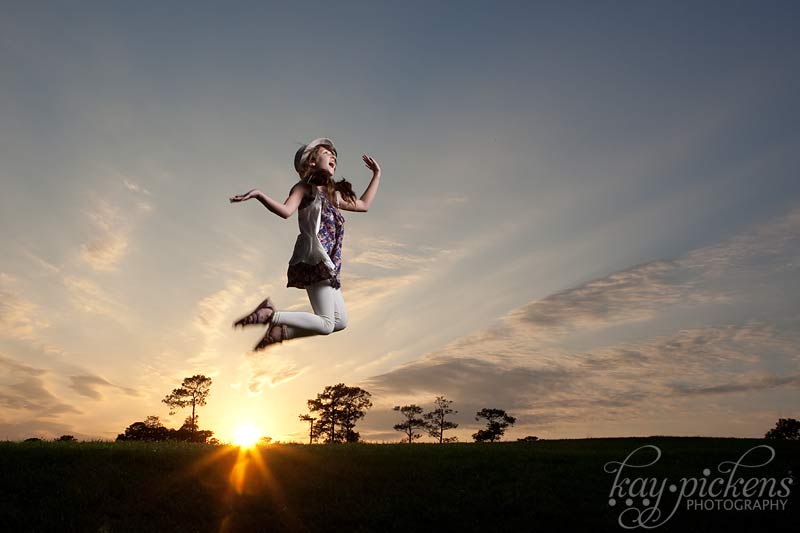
{"points": [[246, 436]]}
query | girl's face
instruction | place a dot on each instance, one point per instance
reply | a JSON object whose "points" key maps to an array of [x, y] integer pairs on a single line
{"points": [[325, 162]]}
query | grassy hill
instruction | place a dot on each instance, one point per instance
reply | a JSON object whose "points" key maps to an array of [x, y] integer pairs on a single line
{"points": [[550, 485]]}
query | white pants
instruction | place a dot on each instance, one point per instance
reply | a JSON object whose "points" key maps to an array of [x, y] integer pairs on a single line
{"points": [[329, 313]]}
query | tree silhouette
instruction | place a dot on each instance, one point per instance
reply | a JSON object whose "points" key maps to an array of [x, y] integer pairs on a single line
{"points": [[355, 402], [786, 428], [321, 430], [310, 419], [190, 432], [436, 422], [342, 405], [153, 421], [193, 391], [496, 423], [66, 438], [412, 422], [147, 431], [153, 430]]}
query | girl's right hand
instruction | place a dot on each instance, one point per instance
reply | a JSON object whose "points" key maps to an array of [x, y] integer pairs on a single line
{"points": [[246, 196]]}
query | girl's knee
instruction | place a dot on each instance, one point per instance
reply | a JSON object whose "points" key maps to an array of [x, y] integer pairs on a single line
{"points": [[341, 322], [328, 327]]}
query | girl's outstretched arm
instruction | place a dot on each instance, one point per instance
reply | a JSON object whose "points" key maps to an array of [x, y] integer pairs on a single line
{"points": [[283, 210], [362, 204]]}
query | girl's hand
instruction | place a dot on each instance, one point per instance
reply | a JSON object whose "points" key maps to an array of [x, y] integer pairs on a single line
{"points": [[371, 163], [246, 196]]}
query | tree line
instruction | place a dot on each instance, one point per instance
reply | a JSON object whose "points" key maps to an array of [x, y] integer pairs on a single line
{"points": [[193, 392], [340, 406], [333, 415]]}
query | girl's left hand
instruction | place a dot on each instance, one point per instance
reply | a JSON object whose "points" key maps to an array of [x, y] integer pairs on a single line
{"points": [[371, 163], [252, 193]]}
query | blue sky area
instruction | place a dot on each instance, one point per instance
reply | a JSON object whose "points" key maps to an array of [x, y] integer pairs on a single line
{"points": [[588, 213]]}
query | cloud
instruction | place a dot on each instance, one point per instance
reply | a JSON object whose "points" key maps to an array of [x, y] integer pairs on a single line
{"points": [[23, 390], [19, 317], [636, 294], [49, 267], [521, 362], [135, 187], [113, 226], [89, 297], [88, 385], [392, 255], [754, 383], [106, 250], [43, 429], [141, 205], [763, 249], [383, 267], [459, 199], [365, 292], [620, 382], [273, 376], [213, 314]]}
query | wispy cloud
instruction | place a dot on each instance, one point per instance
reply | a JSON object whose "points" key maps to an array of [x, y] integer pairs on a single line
{"points": [[23, 391], [392, 255], [87, 296], [38, 261], [383, 267], [89, 385], [106, 249], [141, 204], [636, 294], [456, 199], [521, 363], [113, 224], [19, 317], [135, 187], [752, 383], [272, 376]]}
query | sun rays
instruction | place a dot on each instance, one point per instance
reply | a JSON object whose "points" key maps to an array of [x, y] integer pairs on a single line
{"points": [[246, 436]]}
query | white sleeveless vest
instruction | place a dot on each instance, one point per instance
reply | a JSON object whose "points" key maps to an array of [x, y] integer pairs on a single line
{"points": [[307, 248]]}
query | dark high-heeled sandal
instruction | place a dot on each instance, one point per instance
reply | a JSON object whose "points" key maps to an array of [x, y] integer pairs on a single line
{"points": [[268, 340], [252, 319]]}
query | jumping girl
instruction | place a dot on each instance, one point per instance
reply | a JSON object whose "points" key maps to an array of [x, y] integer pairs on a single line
{"points": [[317, 259]]}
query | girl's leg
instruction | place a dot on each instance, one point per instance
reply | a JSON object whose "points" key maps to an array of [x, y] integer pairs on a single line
{"points": [[339, 311], [329, 313]]}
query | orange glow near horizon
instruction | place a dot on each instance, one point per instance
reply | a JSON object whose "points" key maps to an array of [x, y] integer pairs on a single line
{"points": [[246, 436]]}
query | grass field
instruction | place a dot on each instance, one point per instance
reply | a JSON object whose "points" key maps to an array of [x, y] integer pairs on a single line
{"points": [[550, 485]]}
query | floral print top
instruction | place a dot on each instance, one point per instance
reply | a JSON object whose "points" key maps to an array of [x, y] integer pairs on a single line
{"points": [[331, 236]]}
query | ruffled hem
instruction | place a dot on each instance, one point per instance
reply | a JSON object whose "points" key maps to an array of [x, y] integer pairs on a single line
{"points": [[302, 275]]}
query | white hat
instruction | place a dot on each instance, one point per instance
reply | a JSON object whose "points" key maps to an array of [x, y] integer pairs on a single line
{"points": [[304, 151]]}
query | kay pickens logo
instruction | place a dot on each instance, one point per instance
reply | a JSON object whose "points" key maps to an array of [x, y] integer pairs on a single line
{"points": [[641, 497]]}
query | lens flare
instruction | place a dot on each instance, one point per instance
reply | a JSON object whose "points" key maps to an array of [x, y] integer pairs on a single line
{"points": [[246, 436]]}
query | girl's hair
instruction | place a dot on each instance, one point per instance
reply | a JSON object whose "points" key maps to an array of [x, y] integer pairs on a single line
{"points": [[343, 186]]}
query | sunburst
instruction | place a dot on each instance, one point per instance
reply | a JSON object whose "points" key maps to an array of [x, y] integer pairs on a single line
{"points": [[246, 436]]}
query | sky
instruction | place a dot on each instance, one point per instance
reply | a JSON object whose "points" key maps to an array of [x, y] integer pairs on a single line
{"points": [[588, 213]]}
